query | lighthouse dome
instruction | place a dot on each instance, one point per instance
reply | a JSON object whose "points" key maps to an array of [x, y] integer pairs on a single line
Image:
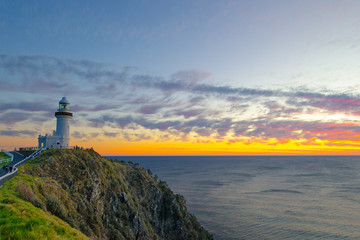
{"points": [[64, 100]]}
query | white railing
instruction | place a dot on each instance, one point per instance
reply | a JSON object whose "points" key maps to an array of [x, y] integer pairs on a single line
{"points": [[17, 165], [34, 154]]}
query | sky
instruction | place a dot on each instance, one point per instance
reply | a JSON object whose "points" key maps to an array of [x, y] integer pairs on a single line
{"points": [[184, 77]]}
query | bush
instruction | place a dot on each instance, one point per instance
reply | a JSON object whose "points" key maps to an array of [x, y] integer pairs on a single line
{"points": [[180, 199], [165, 210], [37, 203], [25, 191], [54, 206]]}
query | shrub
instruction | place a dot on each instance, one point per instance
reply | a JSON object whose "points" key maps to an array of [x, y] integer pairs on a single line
{"points": [[53, 205], [85, 229], [25, 191], [37, 202], [165, 210], [65, 186], [180, 199]]}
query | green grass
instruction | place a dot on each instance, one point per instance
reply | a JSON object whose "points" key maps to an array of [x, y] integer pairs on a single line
{"points": [[3, 156], [20, 219]]}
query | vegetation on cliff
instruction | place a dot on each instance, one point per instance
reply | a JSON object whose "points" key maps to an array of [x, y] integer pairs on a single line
{"points": [[73, 193]]}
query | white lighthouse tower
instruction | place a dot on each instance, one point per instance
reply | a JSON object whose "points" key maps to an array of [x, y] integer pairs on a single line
{"points": [[63, 116], [61, 137]]}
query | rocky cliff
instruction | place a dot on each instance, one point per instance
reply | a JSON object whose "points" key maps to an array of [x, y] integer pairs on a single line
{"points": [[104, 199]]}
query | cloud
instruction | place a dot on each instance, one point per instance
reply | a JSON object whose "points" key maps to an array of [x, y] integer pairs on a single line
{"points": [[26, 106], [79, 135], [343, 144], [292, 130], [42, 74], [219, 128], [332, 103], [150, 109], [94, 135], [180, 81], [182, 103], [14, 117], [189, 113], [226, 90], [110, 134], [135, 137], [14, 133], [96, 108], [201, 126]]}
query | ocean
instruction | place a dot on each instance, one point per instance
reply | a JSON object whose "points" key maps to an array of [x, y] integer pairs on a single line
{"points": [[266, 197]]}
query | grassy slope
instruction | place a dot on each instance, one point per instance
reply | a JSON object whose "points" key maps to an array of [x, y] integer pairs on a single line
{"points": [[20, 219], [3, 156]]}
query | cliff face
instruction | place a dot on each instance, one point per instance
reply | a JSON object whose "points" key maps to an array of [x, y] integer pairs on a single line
{"points": [[105, 199]]}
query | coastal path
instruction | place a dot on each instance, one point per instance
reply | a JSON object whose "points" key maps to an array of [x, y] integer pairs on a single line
{"points": [[17, 157], [18, 160]]}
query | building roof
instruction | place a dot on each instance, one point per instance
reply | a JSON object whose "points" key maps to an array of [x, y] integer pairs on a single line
{"points": [[64, 100]]}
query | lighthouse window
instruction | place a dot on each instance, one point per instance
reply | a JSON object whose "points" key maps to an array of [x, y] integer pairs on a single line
{"points": [[64, 106]]}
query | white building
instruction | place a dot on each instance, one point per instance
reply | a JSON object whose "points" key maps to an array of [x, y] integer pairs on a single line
{"points": [[61, 137]]}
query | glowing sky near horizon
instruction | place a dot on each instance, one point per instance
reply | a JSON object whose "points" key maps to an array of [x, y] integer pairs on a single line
{"points": [[184, 77]]}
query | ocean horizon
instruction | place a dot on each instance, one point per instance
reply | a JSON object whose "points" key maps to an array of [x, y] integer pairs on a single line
{"points": [[265, 197]]}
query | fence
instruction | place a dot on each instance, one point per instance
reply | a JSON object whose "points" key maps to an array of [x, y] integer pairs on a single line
{"points": [[17, 165], [34, 154]]}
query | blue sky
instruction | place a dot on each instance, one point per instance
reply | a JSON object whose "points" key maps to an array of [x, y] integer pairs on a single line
{"points": [[240, 42], [181, 70]]}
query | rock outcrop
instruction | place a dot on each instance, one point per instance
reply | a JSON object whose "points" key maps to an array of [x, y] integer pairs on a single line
{"points": [[106, 199]]}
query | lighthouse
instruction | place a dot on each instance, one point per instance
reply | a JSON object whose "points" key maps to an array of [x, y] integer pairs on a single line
{"points": [[63, 116], [61, 137]]}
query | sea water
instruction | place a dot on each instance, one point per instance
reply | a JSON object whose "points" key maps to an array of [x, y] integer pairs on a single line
{"points": [[266, 197]]}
